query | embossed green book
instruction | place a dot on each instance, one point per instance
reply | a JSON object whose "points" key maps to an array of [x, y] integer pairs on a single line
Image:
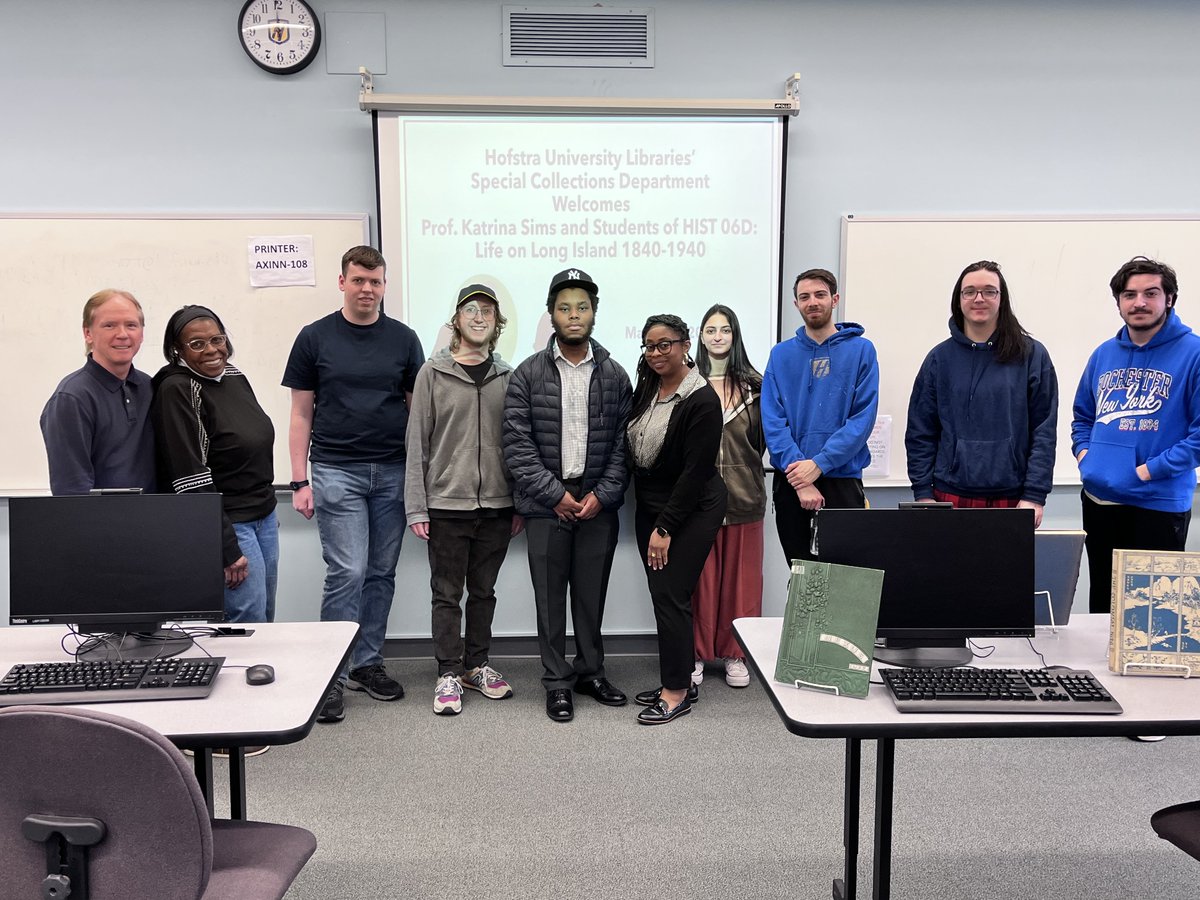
{"points": [[828, 638]]}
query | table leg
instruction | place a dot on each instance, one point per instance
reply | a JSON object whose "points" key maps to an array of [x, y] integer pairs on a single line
{"points": [[204, 774], [844, 888], [885, 771], [237, 783]]}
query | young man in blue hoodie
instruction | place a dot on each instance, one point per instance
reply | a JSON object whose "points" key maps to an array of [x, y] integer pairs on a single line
{"points": [[819, 397], [1136, 427]]}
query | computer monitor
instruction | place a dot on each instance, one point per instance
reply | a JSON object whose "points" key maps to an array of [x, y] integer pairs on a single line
{"points": [[120, 565], [949, 575]]}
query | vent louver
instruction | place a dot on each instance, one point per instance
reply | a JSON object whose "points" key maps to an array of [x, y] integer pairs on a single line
{"points": [[578, 36]]}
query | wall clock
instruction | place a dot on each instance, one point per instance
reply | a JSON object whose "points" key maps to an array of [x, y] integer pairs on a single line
{"points": [[281, 36]]}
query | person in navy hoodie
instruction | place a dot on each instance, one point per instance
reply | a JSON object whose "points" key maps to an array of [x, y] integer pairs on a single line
{"points": [[983, 414], [1136, 427], [820, 393]]}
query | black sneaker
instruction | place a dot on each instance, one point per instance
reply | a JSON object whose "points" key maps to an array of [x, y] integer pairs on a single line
{"points": [[376, 682], [333, 709]]}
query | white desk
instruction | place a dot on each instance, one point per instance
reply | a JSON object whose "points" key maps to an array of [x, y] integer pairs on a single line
{"points": [[306, 656], [1152, 706]]}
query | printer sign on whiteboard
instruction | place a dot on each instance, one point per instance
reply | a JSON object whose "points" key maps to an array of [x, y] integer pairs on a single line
{"points": [[281, 260]]}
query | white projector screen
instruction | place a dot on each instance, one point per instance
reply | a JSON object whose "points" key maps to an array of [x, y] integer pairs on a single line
{"points": [[667, 214]]}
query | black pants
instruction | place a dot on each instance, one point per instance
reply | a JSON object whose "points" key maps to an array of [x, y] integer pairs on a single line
{"points": [[671, 586], [1126, 528], [465, 552], [794, 522], [578, 555]]}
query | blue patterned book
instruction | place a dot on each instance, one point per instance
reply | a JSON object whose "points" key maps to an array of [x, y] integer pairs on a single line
{"points": [[1155, 613]]}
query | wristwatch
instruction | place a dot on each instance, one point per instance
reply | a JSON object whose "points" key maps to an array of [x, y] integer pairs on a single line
{"points": [[296, 485], [662, 532]]}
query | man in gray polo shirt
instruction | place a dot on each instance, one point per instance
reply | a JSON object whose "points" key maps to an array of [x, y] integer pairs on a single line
{"points": [[564, 443]]}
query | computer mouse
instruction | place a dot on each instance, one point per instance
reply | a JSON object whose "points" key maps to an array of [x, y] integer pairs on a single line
{"points": [[260, 674]]}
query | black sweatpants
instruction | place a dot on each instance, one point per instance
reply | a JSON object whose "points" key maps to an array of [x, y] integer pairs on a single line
{"points": [[794, 522], [1112, 527]]}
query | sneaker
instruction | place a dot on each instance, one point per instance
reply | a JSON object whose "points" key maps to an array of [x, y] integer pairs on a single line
{"points": [[736, 673], [333, 709], [698, 672], [488, 682], [376, 682], [1148, 738], [447, 696]]}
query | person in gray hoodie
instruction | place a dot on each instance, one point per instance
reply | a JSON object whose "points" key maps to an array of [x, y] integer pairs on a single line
{"points": [[458, 493]]}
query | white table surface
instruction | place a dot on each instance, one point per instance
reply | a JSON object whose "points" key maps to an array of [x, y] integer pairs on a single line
{"points": [[305, 655], [1152, 704]]}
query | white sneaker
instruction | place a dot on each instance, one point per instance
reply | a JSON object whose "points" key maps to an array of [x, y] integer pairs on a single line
{"points": [[447, 696], [698, 672], [1148, 738], [736, 673]]}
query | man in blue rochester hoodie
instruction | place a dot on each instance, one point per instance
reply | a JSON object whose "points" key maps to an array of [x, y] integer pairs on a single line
{"points": [[1136, 427], [819, 396]]}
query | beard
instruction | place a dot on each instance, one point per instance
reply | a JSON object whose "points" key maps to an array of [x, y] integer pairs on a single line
{"points": [[573, 340], [1157, 323], [818, 320]]}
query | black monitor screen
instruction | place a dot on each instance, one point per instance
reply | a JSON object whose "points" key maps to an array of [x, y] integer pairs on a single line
{"points": [[117, 563], [949, 574]]}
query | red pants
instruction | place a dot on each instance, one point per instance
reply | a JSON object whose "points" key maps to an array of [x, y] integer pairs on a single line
{"points": [[730, 586]]}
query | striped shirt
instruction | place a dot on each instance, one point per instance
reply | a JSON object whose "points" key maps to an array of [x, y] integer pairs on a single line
{"points": [[576, 382]]}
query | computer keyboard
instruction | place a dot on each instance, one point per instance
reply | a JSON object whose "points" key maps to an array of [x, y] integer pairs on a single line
{"points": [[1037, 691], [110, 681]]}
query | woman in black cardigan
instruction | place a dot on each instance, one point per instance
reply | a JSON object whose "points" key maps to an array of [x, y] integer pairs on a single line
{"points": [[673, 439]]}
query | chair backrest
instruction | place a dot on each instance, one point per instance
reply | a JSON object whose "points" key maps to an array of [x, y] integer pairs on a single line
{"points": [[68, 761]]}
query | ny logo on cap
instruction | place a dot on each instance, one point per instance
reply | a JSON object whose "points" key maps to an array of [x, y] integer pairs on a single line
{"points": [[573, 274]]}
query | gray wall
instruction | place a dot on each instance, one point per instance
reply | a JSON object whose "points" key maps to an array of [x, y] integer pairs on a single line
{"points": [[907, 108]]}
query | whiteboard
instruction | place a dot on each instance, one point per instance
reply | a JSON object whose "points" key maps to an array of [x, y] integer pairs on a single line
{"points": [[898, 274], [51, 264]]}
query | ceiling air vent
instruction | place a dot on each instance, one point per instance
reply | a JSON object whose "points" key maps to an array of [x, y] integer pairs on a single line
{"points": [[584, 36]]}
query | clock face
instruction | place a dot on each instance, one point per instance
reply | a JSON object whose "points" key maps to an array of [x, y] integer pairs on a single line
{"points": [[281, 36]]}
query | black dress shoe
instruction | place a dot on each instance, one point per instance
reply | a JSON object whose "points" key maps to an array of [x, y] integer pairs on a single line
{"points": [[660, 713], [559, 705], [601, 690], [649, 698]]}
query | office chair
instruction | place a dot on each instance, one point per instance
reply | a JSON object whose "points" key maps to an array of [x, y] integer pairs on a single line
{"points": [[97, 806], [1180, 824]]}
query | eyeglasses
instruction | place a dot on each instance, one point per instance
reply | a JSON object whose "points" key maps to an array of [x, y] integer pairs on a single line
{"points": [[989, 293], [713, 330], [199, 345], [471, 310], [663, 347]]}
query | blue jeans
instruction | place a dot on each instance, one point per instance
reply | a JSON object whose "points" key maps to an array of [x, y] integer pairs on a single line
{"points": [[360, 517], [254, 599]]}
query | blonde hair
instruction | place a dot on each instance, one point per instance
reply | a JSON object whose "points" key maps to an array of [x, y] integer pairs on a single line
{"points": [[98, 299]]}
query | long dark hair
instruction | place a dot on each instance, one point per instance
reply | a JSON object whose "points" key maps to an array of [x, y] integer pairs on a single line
{"points": [[1012, 341], [739, 367], [647, 379]]}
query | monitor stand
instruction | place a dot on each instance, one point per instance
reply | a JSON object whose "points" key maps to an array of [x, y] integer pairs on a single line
{"points": [[122, 645], [924, 653]]}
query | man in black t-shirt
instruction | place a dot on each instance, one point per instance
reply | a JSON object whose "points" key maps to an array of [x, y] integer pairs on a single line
{"points": [[351, 374]]}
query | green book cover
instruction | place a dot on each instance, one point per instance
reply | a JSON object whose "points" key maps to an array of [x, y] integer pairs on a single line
{"points": [[828, 637]]}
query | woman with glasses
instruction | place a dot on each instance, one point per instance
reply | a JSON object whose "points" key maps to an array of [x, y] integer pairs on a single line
{"points": [[673, 438], [984, 409], [731, 583], [211, 435]]}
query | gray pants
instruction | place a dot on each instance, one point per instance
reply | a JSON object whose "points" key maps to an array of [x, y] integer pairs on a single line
{"points": [[465, 552], [579, 555]]}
